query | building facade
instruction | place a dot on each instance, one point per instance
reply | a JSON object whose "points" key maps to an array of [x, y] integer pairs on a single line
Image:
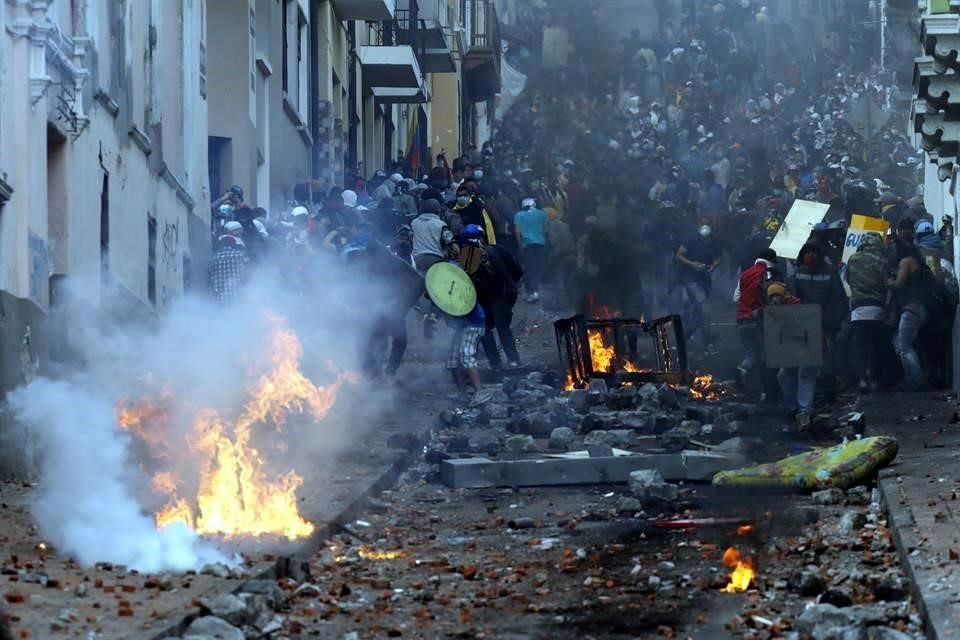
{"points": [[120, 121], [935, 118], [102, 160]]}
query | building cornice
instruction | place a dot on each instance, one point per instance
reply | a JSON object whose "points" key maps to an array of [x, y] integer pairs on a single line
{"points": [[5, 190], [141, 139], [171, 179]]}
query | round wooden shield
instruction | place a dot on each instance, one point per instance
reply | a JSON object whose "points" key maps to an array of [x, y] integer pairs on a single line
{"points": [[451, 289]]}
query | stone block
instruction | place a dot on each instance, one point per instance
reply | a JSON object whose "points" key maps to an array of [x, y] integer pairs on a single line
{"points": [[561, 439]]}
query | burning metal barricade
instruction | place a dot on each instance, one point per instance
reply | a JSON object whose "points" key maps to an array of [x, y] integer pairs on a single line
{"points": [[610, 349]]}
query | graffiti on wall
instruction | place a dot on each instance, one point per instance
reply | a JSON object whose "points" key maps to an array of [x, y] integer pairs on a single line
{"points": [[169, 243]]}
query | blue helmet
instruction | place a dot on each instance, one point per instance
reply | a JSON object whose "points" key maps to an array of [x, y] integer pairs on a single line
{"points": [[471, 232]]}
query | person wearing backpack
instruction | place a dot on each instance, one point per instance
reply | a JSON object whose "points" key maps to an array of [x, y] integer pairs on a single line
{"points": [[911, 289], [934, 341]]}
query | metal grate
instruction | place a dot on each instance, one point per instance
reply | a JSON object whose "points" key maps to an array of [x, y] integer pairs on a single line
{"points": [[664, 361]]}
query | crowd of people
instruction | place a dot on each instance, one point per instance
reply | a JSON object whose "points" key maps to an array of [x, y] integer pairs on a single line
{"points": [[643, 177]]}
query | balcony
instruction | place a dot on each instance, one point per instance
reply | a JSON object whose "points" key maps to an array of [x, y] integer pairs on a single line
{"points": [[390, 95], [427, 28], [481, 62], [365, 9], [388, 60]]}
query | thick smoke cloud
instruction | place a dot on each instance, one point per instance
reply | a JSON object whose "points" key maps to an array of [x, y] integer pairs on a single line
{"points": [[96, 501]]}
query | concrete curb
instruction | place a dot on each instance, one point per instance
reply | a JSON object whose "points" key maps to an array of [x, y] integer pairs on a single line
{"points": [[935, 610], [323, 531]]}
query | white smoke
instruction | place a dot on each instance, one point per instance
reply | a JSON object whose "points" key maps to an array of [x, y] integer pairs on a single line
{"points": [[86, 507], [95, 501]]}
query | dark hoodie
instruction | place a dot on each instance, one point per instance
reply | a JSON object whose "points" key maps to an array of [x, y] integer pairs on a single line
{"points": [[820, 284]]}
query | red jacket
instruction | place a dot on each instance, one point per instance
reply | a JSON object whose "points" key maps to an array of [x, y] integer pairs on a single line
{"points": [[750, 299]]}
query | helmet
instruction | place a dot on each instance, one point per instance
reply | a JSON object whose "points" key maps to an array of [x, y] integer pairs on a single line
{"points": [[299, 211], [471, 232]]}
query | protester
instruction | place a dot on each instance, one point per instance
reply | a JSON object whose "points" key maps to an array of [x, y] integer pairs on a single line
{"points": [[470, 210], [697, 258], [433, 241], [866, 277], [530, 227], [908, 285], [749, 300], [228, 267]]}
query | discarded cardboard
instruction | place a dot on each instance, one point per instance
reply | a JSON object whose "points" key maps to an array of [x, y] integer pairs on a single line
{"points": [[696, 466]]}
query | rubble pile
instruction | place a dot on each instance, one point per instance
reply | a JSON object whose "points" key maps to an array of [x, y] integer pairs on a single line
{"points": [[422, 551], [527, 416]]}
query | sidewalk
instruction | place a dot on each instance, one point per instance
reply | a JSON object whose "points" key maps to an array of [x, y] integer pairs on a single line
{"points": [[920, 493]]}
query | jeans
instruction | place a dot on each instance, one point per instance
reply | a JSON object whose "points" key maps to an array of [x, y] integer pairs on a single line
{"points": [[499, 317], [751, 337], [534, 266], [912, 318], [798, 385], [696, 311], [866, 356], [386, 329]]}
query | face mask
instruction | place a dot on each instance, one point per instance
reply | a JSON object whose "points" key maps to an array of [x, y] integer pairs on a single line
{"points": [[705, 231], [226, 209], [463, 200], [478, 174]]}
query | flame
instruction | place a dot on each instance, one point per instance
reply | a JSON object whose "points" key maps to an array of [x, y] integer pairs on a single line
{"points": [[601, 355], [568, 384], [744, 529], [235, 494], [743, 572], [376, 554], [703, 388]]}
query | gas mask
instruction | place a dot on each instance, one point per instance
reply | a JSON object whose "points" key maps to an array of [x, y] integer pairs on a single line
{"points": [[478, 173], [226, 209]]}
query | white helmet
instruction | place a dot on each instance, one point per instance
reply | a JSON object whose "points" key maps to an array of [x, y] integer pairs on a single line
{"points": [[299, 211]]}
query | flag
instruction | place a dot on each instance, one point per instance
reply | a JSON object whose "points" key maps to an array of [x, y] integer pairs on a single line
{"points": [[414, 150]]}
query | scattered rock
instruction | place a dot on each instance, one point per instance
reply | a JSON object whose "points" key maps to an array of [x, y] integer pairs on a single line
{"points": [[628, 505], [623, 437], [622, 398], [706, 430], [808, 582], [647, 392], [228, 607], [496, 410], [649, 487], [212, 628], [165, 582], [667, 397], [266, 588], [639, 421], [836, 597], [598, 385], [828, 496], [600, 451], [891, 588], [451, 418], [823, 621], [561, 439], [852, 521], [733, 427], [579, 400], [733, 445], [520, 444], [886, 633], [81, 590], [217, 569], [858, 495], [598, 437], [664, 421], [677, 438], [487, 442]]}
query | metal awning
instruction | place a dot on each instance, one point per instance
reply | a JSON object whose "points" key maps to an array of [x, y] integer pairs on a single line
{"points": [[393, 95]]}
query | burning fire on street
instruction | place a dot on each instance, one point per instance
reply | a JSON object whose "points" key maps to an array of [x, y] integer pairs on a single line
{"points": [[235, 493], [743, 573]]}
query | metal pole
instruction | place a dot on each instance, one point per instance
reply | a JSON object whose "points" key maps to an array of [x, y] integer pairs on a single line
{"points": [[883, 35]]}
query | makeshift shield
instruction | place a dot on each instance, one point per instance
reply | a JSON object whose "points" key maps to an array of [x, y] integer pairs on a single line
{"points": [[451, 289], [792, 335]]}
